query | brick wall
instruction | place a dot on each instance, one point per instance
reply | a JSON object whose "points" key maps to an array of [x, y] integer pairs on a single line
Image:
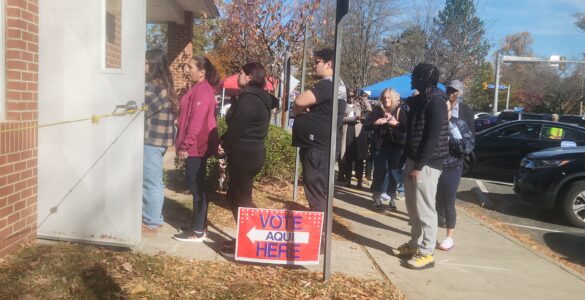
{"points": [[113, 41], [179, 50], [18, 149]]}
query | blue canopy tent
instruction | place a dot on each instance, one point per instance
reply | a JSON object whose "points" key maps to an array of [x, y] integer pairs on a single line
{"points": [[399, 83]]}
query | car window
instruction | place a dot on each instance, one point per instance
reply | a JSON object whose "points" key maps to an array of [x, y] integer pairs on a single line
{"points": [[552, 133], [573, 135], [521, 131]]}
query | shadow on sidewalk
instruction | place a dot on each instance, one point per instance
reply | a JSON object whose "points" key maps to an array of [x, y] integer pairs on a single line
{"points": [[352, 198], [358, 200], [569, 245], [179, 216]]}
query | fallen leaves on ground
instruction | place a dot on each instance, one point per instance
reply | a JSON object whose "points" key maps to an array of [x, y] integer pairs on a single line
{"points": [[271, 194], [66, 270]]}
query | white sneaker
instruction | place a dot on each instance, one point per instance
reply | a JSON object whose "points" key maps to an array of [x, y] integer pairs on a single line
{"points": [[385, 197], [446, 244]]}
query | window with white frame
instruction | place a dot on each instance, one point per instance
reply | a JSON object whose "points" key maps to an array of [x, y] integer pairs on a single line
{"points": [[112, 34]]}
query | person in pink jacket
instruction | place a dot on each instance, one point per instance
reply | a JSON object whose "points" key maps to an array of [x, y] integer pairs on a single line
{"points": [[197, 139]]}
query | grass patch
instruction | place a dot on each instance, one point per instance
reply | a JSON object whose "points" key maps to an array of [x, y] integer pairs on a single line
{"points": [[65, 270]]}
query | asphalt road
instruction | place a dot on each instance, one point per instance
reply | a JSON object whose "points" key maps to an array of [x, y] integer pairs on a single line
{"points": [[545, 227]]}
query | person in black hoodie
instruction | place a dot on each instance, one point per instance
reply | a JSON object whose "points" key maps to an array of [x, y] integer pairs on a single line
{"points": [[426, 148], [247, 119]]}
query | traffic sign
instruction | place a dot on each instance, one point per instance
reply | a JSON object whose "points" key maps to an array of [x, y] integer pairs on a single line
{"points": [[279, 236], [500, 86]]}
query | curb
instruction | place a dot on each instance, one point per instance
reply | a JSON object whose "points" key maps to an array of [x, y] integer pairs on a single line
{"points": [[481, 195]]}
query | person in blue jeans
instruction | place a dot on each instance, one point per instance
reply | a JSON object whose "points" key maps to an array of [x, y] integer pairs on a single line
{"points": [[388, 122], [159, 133]]}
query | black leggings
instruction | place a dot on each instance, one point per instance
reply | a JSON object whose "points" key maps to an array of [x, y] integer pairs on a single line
{"points": [[446, 194], [245, 161]]}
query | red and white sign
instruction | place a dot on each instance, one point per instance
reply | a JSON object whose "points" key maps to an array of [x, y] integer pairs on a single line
{"points": [[277, 236]]}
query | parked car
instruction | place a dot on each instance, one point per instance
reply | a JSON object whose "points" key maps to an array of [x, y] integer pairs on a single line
{"points": [[508, 115], [555, 179], [573, 119], [499, 149], [481, 114], [485, 122]]}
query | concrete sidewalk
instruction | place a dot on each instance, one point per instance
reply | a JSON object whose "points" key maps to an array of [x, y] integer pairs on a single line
{"points": [[483, 264]]}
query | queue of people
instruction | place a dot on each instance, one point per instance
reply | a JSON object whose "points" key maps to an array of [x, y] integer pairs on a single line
{"points": [[416, 147]]}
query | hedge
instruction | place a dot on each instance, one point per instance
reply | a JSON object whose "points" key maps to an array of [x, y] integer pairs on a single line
{"points": [[279, 163]]}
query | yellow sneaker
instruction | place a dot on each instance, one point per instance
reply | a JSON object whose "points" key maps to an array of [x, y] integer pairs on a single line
{"points": [[421, 261], [404, 251]]}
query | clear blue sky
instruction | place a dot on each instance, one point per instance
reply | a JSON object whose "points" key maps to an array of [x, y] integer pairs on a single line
{"points": [[549, 21]]}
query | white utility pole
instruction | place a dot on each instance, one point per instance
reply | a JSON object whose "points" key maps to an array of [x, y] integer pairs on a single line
{"points": [[521, 59]]}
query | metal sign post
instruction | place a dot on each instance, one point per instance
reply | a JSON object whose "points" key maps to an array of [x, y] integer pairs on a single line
{"points": [[304, 68], [286, 91], [508, 97], [342, 9], [496, 91]]}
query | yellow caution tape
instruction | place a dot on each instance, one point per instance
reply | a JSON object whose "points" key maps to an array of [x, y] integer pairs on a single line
{"points": [[95, 119]]}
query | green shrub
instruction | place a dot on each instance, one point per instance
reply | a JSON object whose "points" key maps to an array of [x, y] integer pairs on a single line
{"points": [[279, 163]]}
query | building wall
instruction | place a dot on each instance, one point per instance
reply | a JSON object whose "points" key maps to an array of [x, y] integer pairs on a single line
{"points": [[18, 149], [180, 50]]}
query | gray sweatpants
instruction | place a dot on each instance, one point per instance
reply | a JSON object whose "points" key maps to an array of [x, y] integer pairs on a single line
{"points": [[420, 205]]}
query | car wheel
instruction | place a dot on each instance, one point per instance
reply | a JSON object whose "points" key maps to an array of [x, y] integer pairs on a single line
{"points": [[573, 206]]}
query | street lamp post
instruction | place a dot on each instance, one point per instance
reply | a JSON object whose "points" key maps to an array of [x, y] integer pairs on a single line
{"points": [[395, 41]]}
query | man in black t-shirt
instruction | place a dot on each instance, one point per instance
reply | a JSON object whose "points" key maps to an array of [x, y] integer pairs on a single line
{"points": [[312, 129]]}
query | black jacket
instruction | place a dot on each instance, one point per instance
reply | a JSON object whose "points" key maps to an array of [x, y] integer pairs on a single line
{"points": [[249, 117], [459, 147], [427, 132], [385, 135]]}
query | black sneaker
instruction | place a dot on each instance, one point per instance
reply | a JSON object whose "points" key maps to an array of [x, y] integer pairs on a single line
{"points": [[193, 237]]}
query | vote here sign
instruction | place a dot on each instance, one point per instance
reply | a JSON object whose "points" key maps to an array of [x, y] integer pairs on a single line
{"points": [[279, 236]]}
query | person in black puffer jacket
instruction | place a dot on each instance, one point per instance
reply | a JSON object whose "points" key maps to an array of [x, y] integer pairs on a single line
{"points": [[427, 147], [248, 120]]}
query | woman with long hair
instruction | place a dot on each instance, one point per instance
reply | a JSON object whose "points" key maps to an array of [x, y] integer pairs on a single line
{"points": [[159, 133], [243, 142], [197, 139]]}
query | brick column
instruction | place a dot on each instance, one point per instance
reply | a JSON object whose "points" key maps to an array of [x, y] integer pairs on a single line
{"points": [[18, 149], [180, 49]]}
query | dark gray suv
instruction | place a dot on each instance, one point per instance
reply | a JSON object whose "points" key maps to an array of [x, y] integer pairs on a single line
{"points": [[555, 179]]}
